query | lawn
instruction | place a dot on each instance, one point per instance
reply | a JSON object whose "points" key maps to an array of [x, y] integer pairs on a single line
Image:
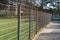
{"points": [[56, 19], [9, 29]]}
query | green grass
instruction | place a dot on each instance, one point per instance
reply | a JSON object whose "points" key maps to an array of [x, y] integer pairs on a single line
{"points": [[9, 29], [56, 19]]}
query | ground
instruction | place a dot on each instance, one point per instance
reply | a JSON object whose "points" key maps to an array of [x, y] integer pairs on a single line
{"points": [[51, 33]]}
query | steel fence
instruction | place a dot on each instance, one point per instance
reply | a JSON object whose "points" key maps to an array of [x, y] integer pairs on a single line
{"points": [[21, 21], [32, 20]]}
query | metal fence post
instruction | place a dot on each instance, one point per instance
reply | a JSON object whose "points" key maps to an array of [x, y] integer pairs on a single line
{"points": [[19, 13], [42, 3], [30, 13]]}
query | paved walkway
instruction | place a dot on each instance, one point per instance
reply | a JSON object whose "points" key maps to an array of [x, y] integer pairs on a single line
{"points": [[51, 33]]}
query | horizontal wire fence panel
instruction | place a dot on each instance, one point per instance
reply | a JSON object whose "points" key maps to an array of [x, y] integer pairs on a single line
{"points": [[8, 22], [33, 22], [45, 18], [38, 21], [24, 21]]}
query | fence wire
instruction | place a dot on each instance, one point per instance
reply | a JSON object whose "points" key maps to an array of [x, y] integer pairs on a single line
{"points": [[21, 23]]}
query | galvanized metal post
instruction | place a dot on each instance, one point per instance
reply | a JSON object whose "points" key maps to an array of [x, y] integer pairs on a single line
{"points": [[58, 8], [52, 15], [19, 13], [30, 13], [42, 3]]}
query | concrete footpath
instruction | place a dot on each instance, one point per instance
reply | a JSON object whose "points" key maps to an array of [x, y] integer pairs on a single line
{"points": [[51, 33]]}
